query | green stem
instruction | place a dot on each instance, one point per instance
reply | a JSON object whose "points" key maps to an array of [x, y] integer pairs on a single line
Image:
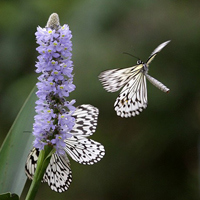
{"points": [[42, 163]]}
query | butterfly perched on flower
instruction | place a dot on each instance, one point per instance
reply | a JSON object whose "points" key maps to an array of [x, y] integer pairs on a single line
{"points": [[133, 97], [85, 151]]}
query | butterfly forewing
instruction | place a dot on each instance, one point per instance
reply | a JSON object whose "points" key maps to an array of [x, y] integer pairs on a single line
{"points": [[79, 147], [115, 79], [159, 47], [133, 97], [58, 174], [86, 117], [156, 51]]}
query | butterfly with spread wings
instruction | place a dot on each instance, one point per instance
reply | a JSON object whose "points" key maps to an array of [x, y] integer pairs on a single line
{"points": [[133, 97], [85, 151]]}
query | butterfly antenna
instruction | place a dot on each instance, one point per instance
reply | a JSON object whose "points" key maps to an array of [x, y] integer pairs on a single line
{"points": [[131, 55]]}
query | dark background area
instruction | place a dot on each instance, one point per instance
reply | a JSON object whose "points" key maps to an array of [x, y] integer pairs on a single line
{"points": [[148, 157]]}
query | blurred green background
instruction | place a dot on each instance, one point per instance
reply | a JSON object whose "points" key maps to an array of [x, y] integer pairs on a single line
{"points": [[148, 157]]}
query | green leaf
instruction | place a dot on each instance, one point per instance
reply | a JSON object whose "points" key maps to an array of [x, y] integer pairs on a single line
{"points": [[16, 146], [8, 196]]}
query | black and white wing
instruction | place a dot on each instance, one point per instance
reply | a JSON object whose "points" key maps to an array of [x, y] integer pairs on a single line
{"points": [[156, 51], [155, 82], [133, 97], [114, 79], [86, 117], [58, 174], [79, 147], [31, 163]]}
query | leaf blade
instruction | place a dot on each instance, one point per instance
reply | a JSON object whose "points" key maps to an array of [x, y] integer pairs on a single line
{"points": [[15, 148]]}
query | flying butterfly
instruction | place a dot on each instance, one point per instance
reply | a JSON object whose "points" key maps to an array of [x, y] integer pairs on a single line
{"points": [[58, 174], [133, 97]]}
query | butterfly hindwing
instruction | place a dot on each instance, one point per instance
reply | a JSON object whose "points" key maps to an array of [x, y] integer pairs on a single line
{"points": [[79, 147], [58, 174], [31, 163], [84, 150], [133, 97]]}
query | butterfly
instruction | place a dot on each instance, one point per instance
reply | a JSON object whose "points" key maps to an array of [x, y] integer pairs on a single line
{"points": [[133, 97], [85, 151]]}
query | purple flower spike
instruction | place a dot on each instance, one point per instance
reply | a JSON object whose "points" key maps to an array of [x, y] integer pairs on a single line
{"points": [[58, 123], [54, 120]]}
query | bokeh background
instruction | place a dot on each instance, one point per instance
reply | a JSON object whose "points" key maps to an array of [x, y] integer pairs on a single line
{"points": [[148, 157]]}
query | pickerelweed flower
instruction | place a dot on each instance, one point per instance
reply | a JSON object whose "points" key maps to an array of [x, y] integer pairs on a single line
{"points": [[54, 120], [58, 123]]}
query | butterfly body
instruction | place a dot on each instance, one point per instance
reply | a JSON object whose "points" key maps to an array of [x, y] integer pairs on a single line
{"points": [[133, 97]]}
